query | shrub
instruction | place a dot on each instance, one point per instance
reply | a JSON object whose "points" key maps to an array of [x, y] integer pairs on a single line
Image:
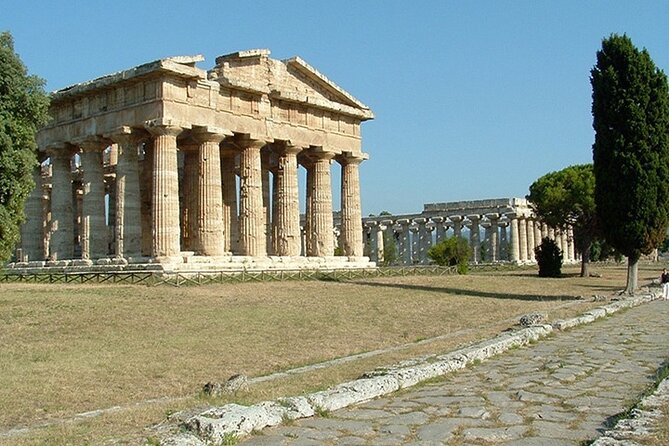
{"points": [[453, 251], [549, 258]]}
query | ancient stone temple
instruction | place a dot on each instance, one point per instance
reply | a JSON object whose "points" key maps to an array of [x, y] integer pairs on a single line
{"points": [[169, 166], [498, 230]]}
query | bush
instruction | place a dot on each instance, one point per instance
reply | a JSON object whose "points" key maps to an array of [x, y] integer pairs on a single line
{"points": [[549, 258], [453, 251]]}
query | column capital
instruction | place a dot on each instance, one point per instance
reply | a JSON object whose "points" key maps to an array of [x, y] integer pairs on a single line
{"points": [[64, 150], [455, 218], [92, 143], [161, 127], [319, 154], [420, 221], [438, 219], [492, 216], [351, 158], [288, 146], [126, 135], [210, 134], [473, 217]]}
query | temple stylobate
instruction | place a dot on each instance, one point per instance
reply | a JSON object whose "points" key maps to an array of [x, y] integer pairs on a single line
{"points": [[168, 165]]}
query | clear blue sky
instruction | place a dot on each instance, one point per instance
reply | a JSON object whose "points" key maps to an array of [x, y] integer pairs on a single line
{"points": [[473, 99]]}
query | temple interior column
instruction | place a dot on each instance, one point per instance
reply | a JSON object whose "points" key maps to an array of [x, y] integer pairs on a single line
{"points": [[128, 203], [252, 219], [351, 211], [457, 225], [93, 227], [321, 202], [165, 196], [61, 243], [229, 192], [32, 230], [286, 234]]}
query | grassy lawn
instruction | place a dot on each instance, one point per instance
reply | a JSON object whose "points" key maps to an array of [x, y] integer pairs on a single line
{"points": [[68, 349]]}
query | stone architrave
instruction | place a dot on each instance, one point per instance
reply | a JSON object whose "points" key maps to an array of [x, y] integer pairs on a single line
{"points": [[522, 239], [475, 237], [514, 252], [32, 230], [165, 196], [93, 228], [351, 210], [321, 205], [530, 240], [493, 241], [61, 242], [128, 202], [287, 237], [404, 241], [209, 193], [229, 192], [252, 219]]}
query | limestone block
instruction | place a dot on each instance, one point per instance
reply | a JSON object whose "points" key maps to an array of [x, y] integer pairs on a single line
{"points": [[182, 439], [297, 407], [353, 392]]}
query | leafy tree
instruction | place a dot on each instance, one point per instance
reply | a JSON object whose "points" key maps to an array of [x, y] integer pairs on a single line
{"points": [[452, 251], [630, 108], [23, 109], [566, 198], [549, 258], [389, 249]]}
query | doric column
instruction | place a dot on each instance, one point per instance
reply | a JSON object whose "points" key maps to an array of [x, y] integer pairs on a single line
{"points": [[165, 197], [456, 221], [32, 230], [564, 244], [537, 233], [61, 242], [229, 192], [93, 227], [514, 252], [551, 234], [493, 242], [522, 238], [544, 230], [321, 205], [420, 239], [571, 249], [376, 241], [475, 237], [209, 193], [265, 169], [128, 202], [145, 190], [286, 237], [440, 228], [503, 245], [188, 190], [530, 240], [252, 238], [404, 241], [415, 242], [351, 212]]}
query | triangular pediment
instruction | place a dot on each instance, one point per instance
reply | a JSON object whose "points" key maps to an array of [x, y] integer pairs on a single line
{"points": [[292, 80]]}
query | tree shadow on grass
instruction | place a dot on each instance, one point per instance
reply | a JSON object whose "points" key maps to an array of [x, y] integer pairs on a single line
{"points": [[465, 292]]}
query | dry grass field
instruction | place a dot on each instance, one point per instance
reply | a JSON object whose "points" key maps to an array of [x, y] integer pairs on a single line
{"points": [[70, 349]]}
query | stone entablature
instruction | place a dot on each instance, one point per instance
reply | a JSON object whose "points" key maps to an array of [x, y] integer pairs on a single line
{"points": [[169, 161], [510, 230]]}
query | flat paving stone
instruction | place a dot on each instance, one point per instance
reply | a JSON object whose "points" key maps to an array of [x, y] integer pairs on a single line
{"points": [[560, 391]]}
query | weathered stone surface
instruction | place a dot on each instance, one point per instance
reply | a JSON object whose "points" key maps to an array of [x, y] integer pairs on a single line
{"points": [[532, 319]]}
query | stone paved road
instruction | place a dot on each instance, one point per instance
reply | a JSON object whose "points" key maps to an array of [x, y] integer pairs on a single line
{"points": [[560, 391]]}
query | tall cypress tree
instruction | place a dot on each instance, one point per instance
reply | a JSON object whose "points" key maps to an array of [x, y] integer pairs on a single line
{"points": [[23, 109], [630, 109]]}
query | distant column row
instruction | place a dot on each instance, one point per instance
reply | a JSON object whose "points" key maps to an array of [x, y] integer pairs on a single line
{"points": [[508, 237]]}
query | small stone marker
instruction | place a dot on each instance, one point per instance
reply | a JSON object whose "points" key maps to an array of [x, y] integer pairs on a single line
{"points": [[532, 319], [233, 385]]}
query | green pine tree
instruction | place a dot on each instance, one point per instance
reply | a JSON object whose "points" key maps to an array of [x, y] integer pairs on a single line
{"points": [[23, 109], [630, 108]]}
